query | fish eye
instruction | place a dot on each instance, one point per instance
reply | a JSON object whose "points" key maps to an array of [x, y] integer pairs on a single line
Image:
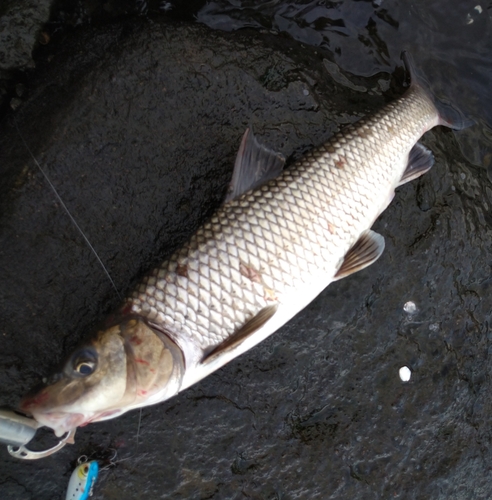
{"points": [[84, 362], [86, 367]]}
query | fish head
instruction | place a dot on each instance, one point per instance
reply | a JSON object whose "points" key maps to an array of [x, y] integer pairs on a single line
{"points": [[125, 366]]}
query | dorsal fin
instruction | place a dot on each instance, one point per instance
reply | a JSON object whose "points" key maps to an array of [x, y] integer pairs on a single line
{"points": [[237, 338], [366, 251], [420, 161], [255, 164]]}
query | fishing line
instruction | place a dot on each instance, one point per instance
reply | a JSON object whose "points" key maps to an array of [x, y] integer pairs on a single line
{"points": [[67, 211], [138, 429]]}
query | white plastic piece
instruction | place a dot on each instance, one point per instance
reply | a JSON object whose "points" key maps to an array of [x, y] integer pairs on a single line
{"points": [[410, 307], [405, 373]]}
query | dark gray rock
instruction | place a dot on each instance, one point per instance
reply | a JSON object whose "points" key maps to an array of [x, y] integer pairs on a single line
{"points": [[137, 125], [20, 26], [21, 22]]}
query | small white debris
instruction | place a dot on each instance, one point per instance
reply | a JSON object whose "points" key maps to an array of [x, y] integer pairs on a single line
{"points": [[469, 19], [478, 8], [410, 307], [434, 327], [462, 176], [305, 92], [405, 373]]}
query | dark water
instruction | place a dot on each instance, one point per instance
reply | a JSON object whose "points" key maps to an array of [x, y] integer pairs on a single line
{"points": [[451, 42], [318, 411]]}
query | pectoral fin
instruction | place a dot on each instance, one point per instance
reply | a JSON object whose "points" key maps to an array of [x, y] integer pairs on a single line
{"points": [[367, 250], [237, 338], [420, 161], [255, 165]]}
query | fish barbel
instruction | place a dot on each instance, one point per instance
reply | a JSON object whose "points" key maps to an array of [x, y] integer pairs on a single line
{"points": [[279, 239]]}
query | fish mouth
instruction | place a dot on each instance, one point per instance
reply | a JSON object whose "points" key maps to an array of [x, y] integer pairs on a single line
{"points": [[61, 422]]}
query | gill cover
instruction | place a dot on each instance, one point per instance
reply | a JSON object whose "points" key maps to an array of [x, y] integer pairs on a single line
{"points": [[154, 364]]}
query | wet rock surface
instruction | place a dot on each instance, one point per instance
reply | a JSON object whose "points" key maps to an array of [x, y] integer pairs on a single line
{"points": [[21, 22], [137, 125]]}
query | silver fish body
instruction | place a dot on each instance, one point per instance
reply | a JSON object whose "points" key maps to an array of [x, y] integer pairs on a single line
{"points": [[283, 243], [262, 257]]}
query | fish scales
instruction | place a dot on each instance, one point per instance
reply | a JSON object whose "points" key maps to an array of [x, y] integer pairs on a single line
{"points": [[297, 228]]}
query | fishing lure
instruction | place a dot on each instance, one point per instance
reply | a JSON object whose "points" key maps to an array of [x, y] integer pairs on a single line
{"points": [[81, 484]]}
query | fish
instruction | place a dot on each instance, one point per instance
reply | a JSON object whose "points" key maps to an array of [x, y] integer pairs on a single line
{"points": [[279, 239]]}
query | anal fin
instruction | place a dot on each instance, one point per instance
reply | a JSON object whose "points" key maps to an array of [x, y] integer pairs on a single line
{"points": [[237, 338], [420, 161], [255, 165], [365, 252]]}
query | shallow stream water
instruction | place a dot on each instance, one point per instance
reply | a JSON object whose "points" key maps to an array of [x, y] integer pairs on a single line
{"points": [[451, 43]]}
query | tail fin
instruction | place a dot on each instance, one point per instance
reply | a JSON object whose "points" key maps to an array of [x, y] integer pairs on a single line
{"points": [[449, 115]]}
